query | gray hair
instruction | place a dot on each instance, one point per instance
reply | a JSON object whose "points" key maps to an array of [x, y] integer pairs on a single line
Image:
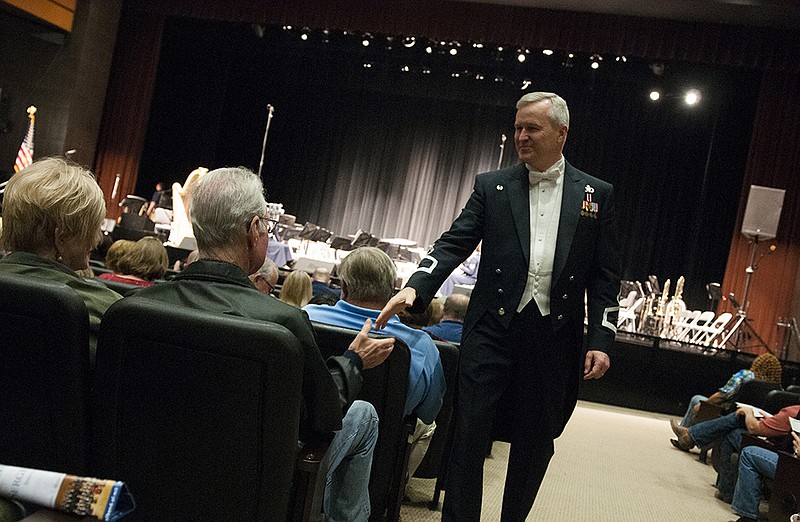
{"points": [[369, 275], [222, 204], [559, 113], [268, 270]]}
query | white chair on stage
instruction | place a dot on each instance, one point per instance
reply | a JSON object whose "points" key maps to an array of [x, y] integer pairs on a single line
{"points": [[710, 331], [699, 327]]}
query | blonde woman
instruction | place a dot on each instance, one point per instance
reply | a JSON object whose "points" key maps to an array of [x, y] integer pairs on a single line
{"points": [[296, 289], [52, 214]]}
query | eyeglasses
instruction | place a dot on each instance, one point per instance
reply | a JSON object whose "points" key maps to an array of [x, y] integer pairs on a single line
{"points": [[271, 223], [271, 288]]}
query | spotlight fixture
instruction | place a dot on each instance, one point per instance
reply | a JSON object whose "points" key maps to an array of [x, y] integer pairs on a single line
{"points": [[500, 49], [621, 58], [479, 76], [405, 68], [304, 36], [477, 45], [525, 84], [453, 51], [595, 65], [547, 52], [287, 27], [456, 75], [570, 56], [429, 49], [596, 59], [426, 71], [367, 65], [692, 97], [521, 57], [365, 42], [655, 95], [409, 41]]}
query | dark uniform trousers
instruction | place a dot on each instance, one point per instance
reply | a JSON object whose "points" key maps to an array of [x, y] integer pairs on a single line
{"points": [[516, 378]]}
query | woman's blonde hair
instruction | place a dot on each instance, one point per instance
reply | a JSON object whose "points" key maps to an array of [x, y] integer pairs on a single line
{"points": [[51, 194], [296, 289], [146, 259]]}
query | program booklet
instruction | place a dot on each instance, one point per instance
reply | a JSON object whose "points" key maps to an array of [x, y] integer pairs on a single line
{"points": [[795, 423], [102, 499]]}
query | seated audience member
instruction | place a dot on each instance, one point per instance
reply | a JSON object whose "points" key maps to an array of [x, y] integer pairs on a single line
{"points": [[115, 252], [227, 209], [437, 311], [765, 367], [416, 321], [367, 276], [140, 264], [51, 221], [730, 427], [266, 278], [455, 309], [755, 463], [296, 289], [323, 299], [465, 274], [321, 283]]}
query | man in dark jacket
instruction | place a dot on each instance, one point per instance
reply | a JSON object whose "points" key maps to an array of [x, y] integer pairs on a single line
{"points": [[229, 217]]}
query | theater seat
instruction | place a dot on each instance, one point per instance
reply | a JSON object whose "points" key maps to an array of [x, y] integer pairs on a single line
{"points": [[434, 465], [44, 375], [198, 415], [385, 387]]}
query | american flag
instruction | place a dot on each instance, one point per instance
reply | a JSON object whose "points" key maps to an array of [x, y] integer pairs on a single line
{"points": [[25, 154]]}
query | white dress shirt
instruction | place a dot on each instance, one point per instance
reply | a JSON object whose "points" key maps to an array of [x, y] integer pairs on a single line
{"points": [[545, 206]]}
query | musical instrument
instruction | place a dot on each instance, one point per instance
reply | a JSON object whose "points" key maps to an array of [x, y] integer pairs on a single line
{"points": [[674, 310]]}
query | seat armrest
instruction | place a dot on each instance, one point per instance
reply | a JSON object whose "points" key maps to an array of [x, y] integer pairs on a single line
{"points": [[708, 411], [309, 482], [748, 439]]}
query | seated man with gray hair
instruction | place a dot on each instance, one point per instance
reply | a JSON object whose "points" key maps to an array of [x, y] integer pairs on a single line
{"points": [[229, 217], [368, 276], [266, 278]]}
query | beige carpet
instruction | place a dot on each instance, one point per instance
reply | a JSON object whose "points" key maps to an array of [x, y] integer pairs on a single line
{"points": [[611, 465]]}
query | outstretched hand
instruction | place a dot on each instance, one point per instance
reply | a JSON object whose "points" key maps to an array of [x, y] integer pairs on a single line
{"points": [[396, 304], [595, 365], [372, 351]]}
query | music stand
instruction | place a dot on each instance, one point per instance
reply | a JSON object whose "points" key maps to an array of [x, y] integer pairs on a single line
{"points": [[760, 222]]}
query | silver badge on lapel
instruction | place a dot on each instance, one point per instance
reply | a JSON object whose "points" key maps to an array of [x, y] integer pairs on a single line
{"points": [[589, 189], [499, 187]]}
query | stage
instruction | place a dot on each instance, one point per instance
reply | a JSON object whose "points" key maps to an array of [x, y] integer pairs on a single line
{"points": [[660, 376]]}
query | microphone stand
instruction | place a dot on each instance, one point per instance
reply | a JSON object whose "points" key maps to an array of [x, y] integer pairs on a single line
{"points": [[502, 148], [271, 110]]}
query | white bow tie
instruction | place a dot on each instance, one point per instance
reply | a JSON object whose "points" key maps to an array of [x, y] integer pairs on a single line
{"points": [[535, 177]]}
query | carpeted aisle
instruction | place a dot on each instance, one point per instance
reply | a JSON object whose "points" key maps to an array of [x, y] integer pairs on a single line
{"points": [[611, 465]]}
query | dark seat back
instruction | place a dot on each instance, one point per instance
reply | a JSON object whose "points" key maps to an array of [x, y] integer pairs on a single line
{"points": [[386, 387], [776, 400], [200, 416], [434, 465], [755, 392], [44, 375]]}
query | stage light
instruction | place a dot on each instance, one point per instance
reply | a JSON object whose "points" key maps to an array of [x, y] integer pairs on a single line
{"points": [[426, 71], [621, 59], [655, 95], [570, 56], [409, 41], [287, 27], [595, 65], [453, 51], [521, 57], [525, 84], [455, 75], [479, 77], [596, 59], [547, 52], [304, 37], [405, 68], [367, 65], [692, 97], [365, 42], [429, 49], [500, 49], [477, 45]]}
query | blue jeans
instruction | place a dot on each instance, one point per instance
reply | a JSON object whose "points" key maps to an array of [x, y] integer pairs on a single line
{"points": [[730, 427], [349, 461], [754, 464], [688, 419]]}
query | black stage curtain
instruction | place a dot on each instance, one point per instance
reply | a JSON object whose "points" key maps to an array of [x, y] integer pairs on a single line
{"points": [[396, 154]]}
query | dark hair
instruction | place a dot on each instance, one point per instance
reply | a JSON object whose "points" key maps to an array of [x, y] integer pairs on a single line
{"points": [[323, 299]]}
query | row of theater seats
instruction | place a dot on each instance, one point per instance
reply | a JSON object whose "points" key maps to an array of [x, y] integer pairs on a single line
{"points": [[784, 491], [188, 408]]}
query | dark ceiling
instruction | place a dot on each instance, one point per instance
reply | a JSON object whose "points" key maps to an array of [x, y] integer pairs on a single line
{"points": [[784, 14]]}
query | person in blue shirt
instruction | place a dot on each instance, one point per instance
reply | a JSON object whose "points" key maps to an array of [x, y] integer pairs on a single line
{"points": [[452, 323], [368, 276]]}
